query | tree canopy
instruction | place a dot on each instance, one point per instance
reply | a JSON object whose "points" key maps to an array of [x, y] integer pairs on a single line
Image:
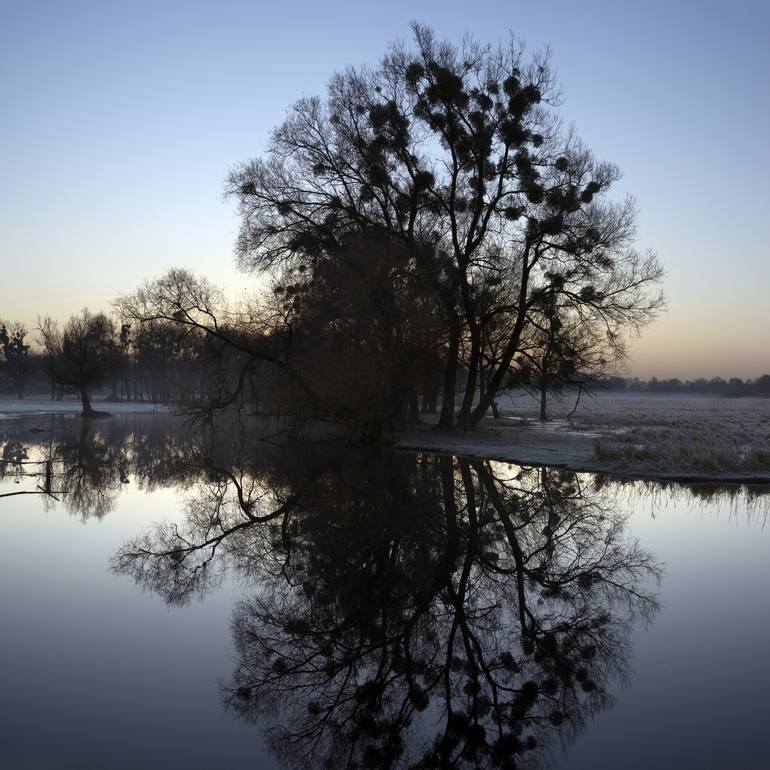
{"points": [[457, 151], [416, 225], [83, 355]]}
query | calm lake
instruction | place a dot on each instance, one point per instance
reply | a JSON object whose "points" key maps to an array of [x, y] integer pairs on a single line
{"points": [[175, 598]]}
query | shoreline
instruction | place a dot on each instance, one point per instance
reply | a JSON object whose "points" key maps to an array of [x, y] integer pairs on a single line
{"points": [[512, 439], [39, 407], [553, 446]]}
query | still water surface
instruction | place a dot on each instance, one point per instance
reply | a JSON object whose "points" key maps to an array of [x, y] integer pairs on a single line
{"points": [[170, 600]]}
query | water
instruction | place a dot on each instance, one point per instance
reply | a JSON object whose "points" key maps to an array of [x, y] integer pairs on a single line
{"points": [[196, 601]]}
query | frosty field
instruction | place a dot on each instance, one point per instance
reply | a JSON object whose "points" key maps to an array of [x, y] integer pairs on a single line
{"points": [[629, 434]]}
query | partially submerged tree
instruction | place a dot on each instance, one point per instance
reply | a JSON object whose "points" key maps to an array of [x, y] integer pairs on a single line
{"points": [[355, 336], [457, 152], [238, 343], [413, 225]]}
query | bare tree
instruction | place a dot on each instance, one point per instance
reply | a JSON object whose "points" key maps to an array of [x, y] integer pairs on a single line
{"points": [[49, 338], [88, 353], [412, 223], [459, 151], [239, 342], [563, 348]]}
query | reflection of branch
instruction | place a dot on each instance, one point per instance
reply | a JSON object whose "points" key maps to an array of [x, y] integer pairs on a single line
{"points": [[162, 560], [510, 532], [393, 633], [180, 553], [28, 492], [392, 584]]}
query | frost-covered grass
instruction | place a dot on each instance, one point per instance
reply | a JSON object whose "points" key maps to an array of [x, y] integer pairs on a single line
{"points": [[713, 448], [705, 435]]}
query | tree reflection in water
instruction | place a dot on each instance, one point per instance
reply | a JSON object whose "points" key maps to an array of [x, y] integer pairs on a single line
{"points": [[416, 611], [85, 463]]}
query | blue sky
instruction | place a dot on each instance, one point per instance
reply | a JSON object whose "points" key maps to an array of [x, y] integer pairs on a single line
{"points": [[120, 121]]}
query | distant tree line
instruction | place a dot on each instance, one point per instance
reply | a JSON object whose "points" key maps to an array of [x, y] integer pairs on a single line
{"points": [[157, 361], [174, 361], [734, 386]]}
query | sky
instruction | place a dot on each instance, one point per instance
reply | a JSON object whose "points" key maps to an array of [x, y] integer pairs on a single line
{"points": [[119, 121]]}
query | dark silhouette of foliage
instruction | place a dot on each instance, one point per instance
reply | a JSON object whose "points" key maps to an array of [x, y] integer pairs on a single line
{"points": [[457, 151], [365, 330]]}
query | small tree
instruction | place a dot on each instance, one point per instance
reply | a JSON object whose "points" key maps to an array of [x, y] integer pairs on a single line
{"points": [[49, 337], [230, 346], [564, 347], [15, 361], [89, 354]]}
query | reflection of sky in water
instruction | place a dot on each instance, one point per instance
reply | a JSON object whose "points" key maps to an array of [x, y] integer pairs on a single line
{"points": [[698, 694], [96, 673]]}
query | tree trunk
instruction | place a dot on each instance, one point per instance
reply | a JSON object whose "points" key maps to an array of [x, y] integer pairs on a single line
{"points": [[447, 417], [483, 386], [413, 416], [470, 384], [486, 398], [85, 398], [543, 397]]}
